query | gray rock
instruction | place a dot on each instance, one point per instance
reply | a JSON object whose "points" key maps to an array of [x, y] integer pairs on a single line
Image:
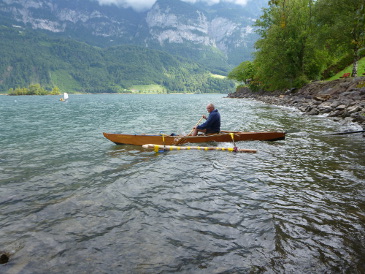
{"points": [[341, 99], [353, 109], [313, 111]]}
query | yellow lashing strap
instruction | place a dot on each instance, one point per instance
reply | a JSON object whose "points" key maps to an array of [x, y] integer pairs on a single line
{"points": [[234, 144]]}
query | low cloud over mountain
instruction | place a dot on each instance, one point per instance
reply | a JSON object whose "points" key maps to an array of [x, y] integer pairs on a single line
{"points": [[140, 5]]}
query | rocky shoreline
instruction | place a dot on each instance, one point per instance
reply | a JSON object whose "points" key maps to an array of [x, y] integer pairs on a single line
{"points": [[341, 98]]}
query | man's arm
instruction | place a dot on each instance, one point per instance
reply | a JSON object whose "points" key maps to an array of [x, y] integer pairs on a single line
{"points": [[209, 121]]}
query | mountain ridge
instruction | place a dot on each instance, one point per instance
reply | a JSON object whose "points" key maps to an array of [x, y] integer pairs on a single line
{"points": [[29, 57], [222, 28], [192, 41]]}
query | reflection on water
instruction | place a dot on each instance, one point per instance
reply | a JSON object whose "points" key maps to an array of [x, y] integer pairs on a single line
{"points": [[72, 201]]}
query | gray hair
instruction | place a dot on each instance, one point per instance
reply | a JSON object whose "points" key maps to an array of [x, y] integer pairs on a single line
{"points": [[211, 105]]}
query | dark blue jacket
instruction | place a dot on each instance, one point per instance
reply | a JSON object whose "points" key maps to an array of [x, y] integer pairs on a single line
{"points": [[213, 123]]}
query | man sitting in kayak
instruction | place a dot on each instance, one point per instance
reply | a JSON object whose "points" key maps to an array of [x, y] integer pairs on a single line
{"points": [[213, 123]]}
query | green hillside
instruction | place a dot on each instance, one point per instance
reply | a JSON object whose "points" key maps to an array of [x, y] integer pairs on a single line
{"points": [[360, 70], [29, 57]]}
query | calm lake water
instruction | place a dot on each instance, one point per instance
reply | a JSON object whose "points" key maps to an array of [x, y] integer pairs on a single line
{"points": [[73, 202]]}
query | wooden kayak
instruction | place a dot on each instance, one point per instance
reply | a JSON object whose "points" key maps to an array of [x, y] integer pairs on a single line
{"points": [[223, 136]]}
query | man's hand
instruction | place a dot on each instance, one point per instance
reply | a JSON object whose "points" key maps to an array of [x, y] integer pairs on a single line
{"points": [[205, 117]]}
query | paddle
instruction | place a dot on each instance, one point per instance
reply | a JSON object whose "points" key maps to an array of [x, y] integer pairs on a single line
{"points": [[183, 138], [196, 125], [327, 134], [294, 130], [345, 132]]}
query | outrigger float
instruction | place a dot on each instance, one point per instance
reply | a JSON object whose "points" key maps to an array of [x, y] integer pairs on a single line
{"points": [[158, 148]]}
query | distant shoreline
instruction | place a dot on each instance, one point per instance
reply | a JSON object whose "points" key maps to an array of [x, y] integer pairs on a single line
{"points": [[135, 93]]}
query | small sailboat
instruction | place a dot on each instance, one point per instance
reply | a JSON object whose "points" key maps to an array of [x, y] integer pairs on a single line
{"points": [[65, 97]]}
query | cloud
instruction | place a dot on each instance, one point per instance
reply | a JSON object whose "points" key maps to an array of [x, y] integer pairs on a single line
{"points": [[212, 2], [140, 5]]}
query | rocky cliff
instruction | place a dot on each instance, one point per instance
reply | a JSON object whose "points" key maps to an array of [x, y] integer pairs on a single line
{"points": [[226, 28], [342, 98]]}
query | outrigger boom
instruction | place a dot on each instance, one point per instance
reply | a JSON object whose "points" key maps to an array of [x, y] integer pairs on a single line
{"points": [[230, 149]]}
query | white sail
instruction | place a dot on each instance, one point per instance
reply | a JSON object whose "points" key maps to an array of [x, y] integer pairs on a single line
{"points": [[65, 96]]}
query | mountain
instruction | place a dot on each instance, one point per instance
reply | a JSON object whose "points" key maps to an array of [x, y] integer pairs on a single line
{"points": [[82, 46], [29, 57], [218, 36]]}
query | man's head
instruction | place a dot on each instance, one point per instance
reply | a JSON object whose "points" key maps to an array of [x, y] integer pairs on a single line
{"points": [[210, 108]]}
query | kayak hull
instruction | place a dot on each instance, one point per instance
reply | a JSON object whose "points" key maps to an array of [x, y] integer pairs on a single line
{"points": [[224, 136]]}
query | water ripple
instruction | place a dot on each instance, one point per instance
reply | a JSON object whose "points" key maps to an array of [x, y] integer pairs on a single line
{"points": [[73, 201]]}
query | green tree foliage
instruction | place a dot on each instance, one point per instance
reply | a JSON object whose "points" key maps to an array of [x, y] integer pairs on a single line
{"points": [[33, 89], [303, 39], [286, 55], [243, 72], [341, 25], [55, 91]]}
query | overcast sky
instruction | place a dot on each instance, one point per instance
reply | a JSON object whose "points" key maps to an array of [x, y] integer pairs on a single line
{"points": [[140, 5]]}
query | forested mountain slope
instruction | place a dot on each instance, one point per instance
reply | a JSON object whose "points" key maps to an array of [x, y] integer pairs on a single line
{"points": [[30, 57], [217, 36]]}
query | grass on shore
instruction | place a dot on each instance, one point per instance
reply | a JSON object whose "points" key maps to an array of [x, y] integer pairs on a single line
{"points": [[360, 70], [147, 89]]}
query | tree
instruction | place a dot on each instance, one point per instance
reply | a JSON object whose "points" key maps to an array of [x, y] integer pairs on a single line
{"points": [[342, 24], [55, 91], [243, 72], [36, 89], [286, 56]]}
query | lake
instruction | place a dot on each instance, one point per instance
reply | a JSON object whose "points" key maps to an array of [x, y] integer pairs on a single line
{"points": [[71, 201]]}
